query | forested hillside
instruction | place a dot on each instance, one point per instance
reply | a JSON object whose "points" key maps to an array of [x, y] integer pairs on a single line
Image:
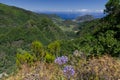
{"points": [[100, 36], [19, 27]]}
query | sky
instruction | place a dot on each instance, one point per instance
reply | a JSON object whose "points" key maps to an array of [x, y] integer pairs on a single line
{"points": [[59, 5]]}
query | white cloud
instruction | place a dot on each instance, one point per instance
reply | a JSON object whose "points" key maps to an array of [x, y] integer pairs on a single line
{"points": [[78, 10], [100, 11], [83, 10], [89, 11]]}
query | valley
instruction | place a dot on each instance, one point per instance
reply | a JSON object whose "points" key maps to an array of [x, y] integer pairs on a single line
{"points": [[32, 44]]}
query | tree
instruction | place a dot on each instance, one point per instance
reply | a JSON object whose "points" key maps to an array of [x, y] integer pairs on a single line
{"points": [[113, 11], [112, 6]]}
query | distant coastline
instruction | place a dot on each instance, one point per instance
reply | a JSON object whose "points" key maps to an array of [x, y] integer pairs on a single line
{"points": [[73, 15]]}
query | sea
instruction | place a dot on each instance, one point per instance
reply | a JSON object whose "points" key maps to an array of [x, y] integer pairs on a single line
{"points": [[74, 15]]}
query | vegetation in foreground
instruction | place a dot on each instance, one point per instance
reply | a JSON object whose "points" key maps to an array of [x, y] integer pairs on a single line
{"points": [[46, 63], [101, 68]]}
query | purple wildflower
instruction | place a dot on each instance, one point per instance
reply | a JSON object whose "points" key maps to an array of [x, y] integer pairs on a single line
{"points": [[61, 60], [69, 71]]}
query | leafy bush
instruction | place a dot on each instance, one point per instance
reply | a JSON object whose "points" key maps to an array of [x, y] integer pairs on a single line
{"points": [[54, 48], [38, 50], [49, 57], [24, 58]]}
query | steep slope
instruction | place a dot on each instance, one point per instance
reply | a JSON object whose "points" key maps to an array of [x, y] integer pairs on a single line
{"points": [[18, 28], [11, 18]]}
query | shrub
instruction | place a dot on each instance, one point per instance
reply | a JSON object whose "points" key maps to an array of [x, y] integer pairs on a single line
{"points": [[24, 58], [38, 50], [49, 57], [54, 48]]}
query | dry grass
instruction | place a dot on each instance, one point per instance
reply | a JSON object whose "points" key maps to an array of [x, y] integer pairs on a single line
{"points": [[40, 71], [102, 68]]}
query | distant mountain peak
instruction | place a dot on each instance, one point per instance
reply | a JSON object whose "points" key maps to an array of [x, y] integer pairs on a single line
{"points": [[84, 18]]}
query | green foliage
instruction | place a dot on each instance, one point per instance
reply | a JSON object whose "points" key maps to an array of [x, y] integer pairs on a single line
{"points": [[99, 36], [49, 57], [54, 48], [95, 39], [24, 58], [27, 25], [38, 50], [112, 6], [38, 53], [108, 42], [113, 11]]}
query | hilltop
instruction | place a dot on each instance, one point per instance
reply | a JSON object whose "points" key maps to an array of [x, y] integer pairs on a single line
{"points": [[84, 18]]}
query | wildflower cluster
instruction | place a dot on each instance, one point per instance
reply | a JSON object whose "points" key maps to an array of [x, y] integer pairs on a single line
{"points": [[68, 71], [61, 60]]}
